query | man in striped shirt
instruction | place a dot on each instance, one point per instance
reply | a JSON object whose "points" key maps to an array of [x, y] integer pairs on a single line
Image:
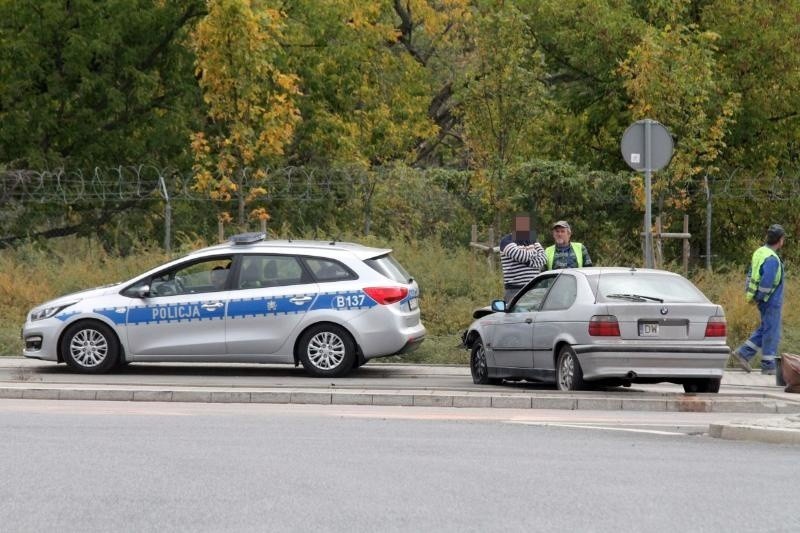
{"points": [[521, 262]]}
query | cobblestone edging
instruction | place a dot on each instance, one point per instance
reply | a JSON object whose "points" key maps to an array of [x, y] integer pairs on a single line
{"points": [[705, 403]]}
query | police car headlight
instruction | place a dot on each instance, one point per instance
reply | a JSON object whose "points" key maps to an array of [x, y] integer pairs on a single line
{"points": [[49, 312]]}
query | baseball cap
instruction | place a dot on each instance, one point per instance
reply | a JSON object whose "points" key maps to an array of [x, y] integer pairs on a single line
{"points": [[775, 232], [561, 224]]}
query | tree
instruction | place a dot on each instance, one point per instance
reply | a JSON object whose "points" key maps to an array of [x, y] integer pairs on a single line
{"points": [[93, 84], [503, 99], [251, 113]]}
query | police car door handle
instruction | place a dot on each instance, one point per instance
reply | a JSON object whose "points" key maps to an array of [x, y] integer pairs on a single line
{"points": [[210, 306], [299, 300]]}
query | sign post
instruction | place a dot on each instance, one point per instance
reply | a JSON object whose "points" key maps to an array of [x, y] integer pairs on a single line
{"points": [[647, 147]]}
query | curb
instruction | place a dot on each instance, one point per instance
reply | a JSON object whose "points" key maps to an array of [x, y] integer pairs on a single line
{"points": [[744, 432], [701, 403]]}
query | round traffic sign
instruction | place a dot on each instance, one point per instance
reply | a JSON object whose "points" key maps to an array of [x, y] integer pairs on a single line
{"points": [[635, 147]]}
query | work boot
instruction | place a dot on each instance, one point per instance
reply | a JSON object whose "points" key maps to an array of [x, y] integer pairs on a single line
{"points": [[741, 361]]}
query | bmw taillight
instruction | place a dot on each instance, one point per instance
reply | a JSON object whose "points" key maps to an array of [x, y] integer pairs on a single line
{"points": [[604, 326], [716, 327], [386, 295]]}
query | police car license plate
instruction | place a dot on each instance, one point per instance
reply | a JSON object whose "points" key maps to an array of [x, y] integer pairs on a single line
{"points": [[413, 303], [648, 329]]}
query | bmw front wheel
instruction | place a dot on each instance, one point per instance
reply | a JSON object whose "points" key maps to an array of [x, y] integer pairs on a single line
{"points": [[479, 367], [90, 347], [569, 375], [327, 350]]}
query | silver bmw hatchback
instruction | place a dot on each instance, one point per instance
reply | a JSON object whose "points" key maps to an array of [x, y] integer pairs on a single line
{"points": [[329, 306], [617, 326]]}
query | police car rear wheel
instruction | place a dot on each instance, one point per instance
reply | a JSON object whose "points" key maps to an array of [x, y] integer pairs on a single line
{"points": [[327, 350], [90, 347]]}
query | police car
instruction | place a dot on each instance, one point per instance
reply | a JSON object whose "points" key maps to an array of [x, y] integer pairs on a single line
{"points": [[329, 306]]}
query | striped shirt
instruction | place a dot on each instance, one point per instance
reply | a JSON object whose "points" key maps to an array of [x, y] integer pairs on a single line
{"points": [[520, 264]]}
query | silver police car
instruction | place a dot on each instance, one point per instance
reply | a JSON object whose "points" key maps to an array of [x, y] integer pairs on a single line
{"points": [[328, 305]]}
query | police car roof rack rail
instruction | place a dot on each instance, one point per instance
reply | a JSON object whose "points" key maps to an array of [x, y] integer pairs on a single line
{"points": [[248, 238]]}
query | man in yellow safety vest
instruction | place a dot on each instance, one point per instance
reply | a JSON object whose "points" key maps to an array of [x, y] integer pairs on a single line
{"points": [[565, 254], [765, 288]]}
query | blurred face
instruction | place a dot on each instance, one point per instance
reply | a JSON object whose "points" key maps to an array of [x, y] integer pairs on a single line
{"points": [[561, 236]]}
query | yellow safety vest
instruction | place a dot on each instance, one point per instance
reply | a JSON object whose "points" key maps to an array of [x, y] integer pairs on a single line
{"points": [[550, 254], [754, 276]]}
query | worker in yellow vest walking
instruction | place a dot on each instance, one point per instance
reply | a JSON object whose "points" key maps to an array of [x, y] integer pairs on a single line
{"points": [[765, 279], [565, 254]]}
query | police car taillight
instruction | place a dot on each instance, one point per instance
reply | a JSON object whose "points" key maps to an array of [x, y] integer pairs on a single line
{"points": [[386, 295]]}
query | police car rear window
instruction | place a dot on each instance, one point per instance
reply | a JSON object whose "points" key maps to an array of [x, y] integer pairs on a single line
{"points": [[389, 267], [329, 270]]}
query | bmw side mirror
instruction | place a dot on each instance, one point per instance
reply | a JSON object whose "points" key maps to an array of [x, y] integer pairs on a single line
{"points": [[499, 306]]}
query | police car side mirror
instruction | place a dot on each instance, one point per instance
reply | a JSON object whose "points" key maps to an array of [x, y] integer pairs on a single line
{"points": [[499, 306], [142, 291]]}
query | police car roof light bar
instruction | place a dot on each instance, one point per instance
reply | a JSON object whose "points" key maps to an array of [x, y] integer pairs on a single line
{"points": [[248, 238]]}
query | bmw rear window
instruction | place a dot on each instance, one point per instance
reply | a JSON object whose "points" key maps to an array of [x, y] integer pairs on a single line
{"points": [[636, 286], [389, 267]]}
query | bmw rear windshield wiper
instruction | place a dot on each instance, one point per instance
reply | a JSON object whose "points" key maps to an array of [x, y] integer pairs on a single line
{"points": [[635, 297]]}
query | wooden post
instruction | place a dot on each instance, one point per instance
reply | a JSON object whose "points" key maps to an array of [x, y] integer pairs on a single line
{"points": [[221, 230], [686, 246], [659, 252], [474, 235], [490, 255], [264, 226]]}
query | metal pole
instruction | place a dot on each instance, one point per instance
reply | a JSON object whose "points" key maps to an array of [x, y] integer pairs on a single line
{"points": [[167, 217], [686, 246], [708, 223], [648, 215]]}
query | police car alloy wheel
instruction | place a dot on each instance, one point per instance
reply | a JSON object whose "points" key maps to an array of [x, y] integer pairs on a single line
{"points": [[327, 350], [90, 347]]}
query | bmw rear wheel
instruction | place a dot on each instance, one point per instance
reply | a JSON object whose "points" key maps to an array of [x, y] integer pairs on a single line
{"points": [[569, 375], [327, 350], [478, 366], [90, 347]]}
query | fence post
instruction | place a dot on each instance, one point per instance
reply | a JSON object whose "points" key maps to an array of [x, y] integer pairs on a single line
{"points": [[264, 226], [686, 247], [168, 228], [659, 252], [474, 234], [490, 255], [708, 223], [221, 230], [167, 216]]}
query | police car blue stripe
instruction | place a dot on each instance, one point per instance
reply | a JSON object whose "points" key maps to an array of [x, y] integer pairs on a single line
{"points": [[167, 313], [344, 301], [113, 314], [65, 316], [283, 305]]}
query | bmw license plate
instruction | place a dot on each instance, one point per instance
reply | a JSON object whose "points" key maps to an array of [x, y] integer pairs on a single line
{"points": [[413, 303], [648, 329]]}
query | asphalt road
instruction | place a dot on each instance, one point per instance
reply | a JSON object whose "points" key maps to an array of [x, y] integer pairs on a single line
{"points": [[120, 466]]}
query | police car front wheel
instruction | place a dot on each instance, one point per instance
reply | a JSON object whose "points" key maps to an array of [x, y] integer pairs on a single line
{"points": [[90, 347], [327, 350]]}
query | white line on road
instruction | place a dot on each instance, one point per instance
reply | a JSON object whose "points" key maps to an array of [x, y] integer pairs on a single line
{"points": [[602, 428]]}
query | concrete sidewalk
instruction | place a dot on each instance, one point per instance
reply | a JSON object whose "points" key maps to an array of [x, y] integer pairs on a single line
{"points": [[749, 398], [779, 430]]}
